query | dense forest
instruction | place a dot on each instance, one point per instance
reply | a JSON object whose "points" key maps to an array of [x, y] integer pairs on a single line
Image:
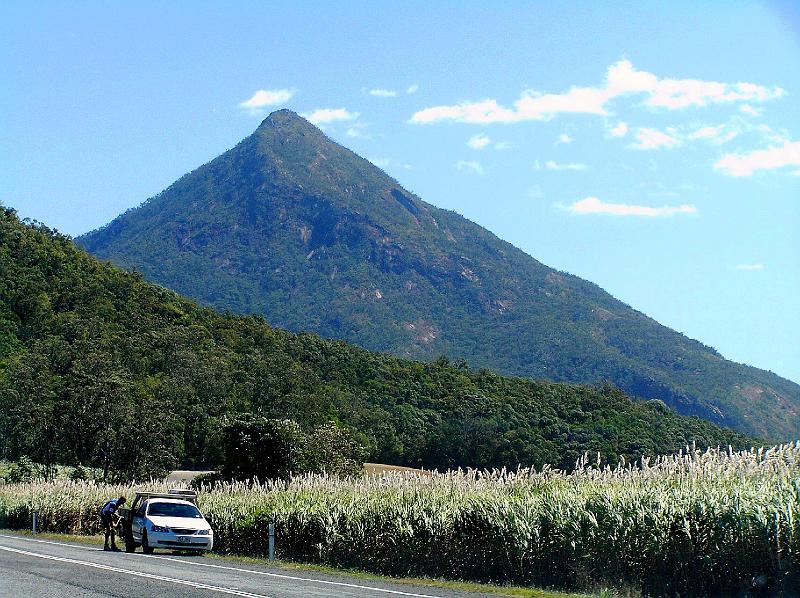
{"points": [[100, 368], [290, 225]]}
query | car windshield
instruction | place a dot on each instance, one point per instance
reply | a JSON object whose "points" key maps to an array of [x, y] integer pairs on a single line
{"points": [[171, 509]]}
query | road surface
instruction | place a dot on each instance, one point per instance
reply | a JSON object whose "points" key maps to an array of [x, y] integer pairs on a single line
{"points": [[37, 567]]}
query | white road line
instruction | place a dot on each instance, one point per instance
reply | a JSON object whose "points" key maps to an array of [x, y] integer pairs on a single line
{"points": [[183, 582], [294, 578], [27, 539], [241, 570]]}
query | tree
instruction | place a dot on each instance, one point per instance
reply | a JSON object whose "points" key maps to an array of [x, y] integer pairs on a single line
{"points": [[334, 450], [257, 447]]}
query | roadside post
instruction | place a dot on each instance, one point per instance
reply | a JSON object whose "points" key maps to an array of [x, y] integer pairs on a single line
{"points": [[271, 541], [35, 526]]}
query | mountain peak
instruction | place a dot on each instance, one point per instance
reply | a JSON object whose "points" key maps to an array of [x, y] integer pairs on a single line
{"points": [[285, 119], [286, 138], [297, 156]]}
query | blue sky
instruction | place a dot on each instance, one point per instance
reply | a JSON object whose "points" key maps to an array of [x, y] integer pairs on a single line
{"points": [[651, 148]]}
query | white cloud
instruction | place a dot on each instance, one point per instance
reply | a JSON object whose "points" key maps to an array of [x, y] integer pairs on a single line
{"points": [[758, 266], [267, 97], [356, 132], [469, 166], [380, 162], [620, 130], [648, 139], [751, 110], [412, 89], [478, 142], [771, 135], [773, 158], [676, 136], [719, 140], [674, 94], [622, 78], [713, 134], [323, 116], [564, 138], [550, 165], [581, 100], [382, 93], [593, 205], [484, 112], [672, 137], [706, 132]]}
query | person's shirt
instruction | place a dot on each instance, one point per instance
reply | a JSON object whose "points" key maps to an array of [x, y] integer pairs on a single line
{"points": [[110, 507]]}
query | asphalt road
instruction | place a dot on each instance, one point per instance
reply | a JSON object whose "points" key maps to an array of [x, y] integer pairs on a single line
{"points": [[35, 567]]}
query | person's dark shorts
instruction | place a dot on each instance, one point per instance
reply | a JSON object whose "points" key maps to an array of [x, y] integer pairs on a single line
{"points": [[106, 519]]}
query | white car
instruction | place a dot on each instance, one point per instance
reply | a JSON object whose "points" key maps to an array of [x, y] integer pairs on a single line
{"points": [[168, 521]]}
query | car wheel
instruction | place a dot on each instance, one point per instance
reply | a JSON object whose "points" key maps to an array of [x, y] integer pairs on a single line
{"points": [[146, 548]]}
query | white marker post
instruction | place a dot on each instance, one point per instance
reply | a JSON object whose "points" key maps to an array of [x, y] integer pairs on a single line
{"points": [[271, 541], [35, 524]]}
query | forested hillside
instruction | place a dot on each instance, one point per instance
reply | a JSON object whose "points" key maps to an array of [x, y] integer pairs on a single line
{"points": [[292, 226], [99, 367]]}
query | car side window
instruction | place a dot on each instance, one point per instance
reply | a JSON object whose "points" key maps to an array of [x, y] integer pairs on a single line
{"points": [[142, 509]]}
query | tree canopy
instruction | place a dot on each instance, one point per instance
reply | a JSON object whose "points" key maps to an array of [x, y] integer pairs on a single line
{"points": [[100, 368]]}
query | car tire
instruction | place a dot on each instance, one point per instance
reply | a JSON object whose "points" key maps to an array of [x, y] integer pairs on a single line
{"points": [[146, 548]]}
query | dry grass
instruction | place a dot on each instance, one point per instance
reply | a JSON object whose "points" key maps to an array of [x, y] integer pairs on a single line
{"points": [[380, 468]]}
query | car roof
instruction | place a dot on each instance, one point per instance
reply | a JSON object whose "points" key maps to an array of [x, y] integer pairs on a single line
{"points": [[176, 501]]}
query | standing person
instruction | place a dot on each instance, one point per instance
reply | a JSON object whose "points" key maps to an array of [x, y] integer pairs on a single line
{"points": [[106, 514]]}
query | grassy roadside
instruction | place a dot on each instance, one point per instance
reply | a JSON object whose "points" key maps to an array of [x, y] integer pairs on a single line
{"points": [[519, 592]]}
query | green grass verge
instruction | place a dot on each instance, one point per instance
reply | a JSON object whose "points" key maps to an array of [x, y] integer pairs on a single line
{"points": [[293, 566]]}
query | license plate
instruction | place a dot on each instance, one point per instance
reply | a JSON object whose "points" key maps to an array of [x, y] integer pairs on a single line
{"points": [[183, 539]]}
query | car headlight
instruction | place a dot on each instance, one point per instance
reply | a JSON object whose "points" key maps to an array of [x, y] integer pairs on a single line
{"points": [[204, 532], [159, 529]]}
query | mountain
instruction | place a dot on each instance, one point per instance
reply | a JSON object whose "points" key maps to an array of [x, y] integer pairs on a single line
{"points": [[99, 367], [292, 226]]}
